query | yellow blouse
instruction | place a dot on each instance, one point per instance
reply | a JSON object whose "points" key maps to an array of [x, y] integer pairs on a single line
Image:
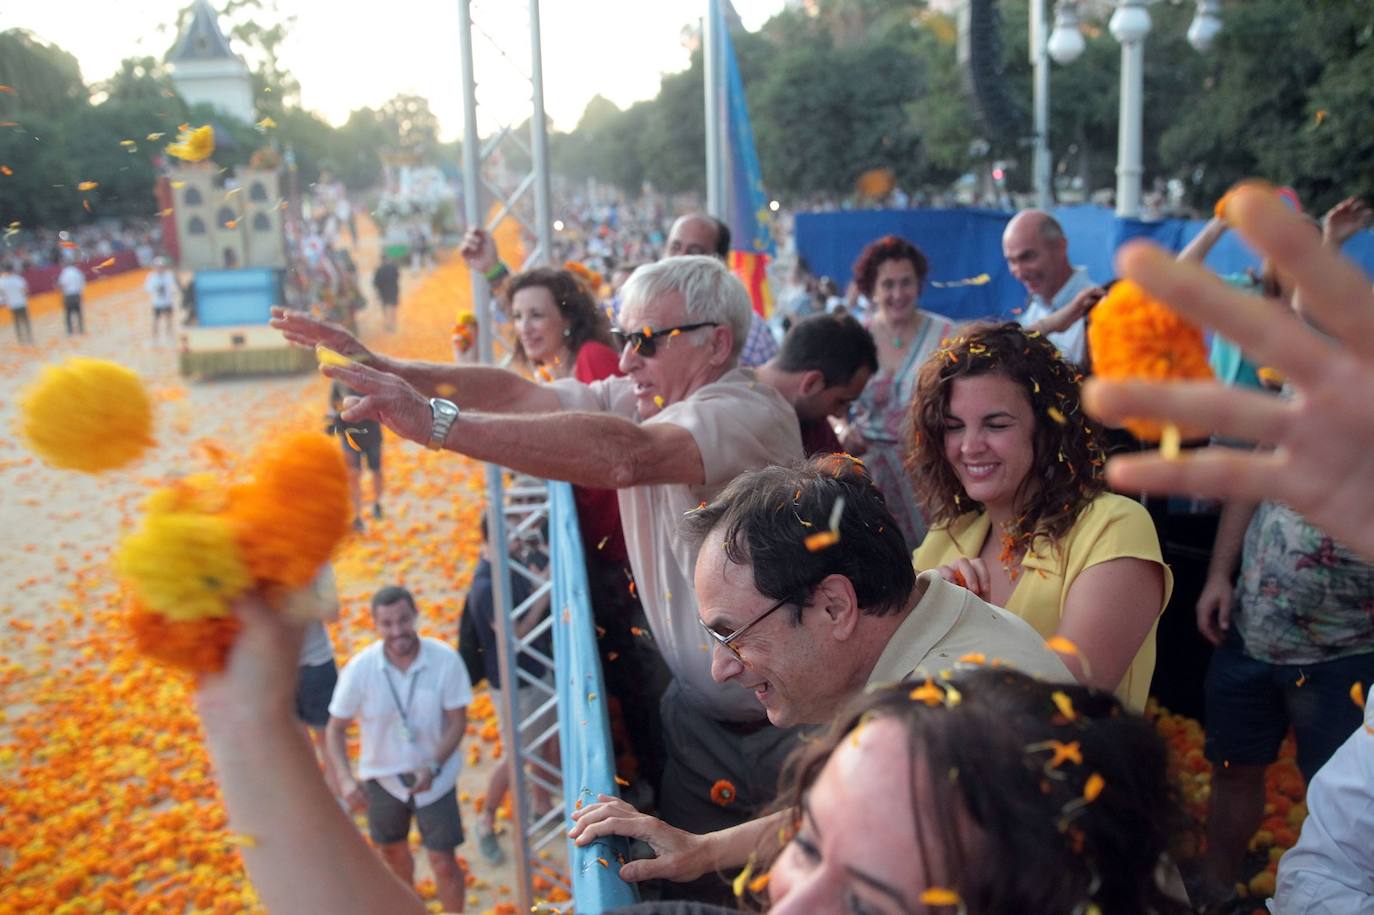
{"points": [[1111, 527]]}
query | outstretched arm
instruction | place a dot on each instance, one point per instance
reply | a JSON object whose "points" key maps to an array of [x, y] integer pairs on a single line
{"points": [[302, 852], [588, 449], [472, 387], [1321, 460]]}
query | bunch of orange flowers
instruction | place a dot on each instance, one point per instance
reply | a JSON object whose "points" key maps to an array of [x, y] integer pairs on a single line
{"points": [[1133, 336], [202, 544]]}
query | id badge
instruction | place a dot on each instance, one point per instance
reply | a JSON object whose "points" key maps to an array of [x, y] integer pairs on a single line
{"points": [[408, 734]]}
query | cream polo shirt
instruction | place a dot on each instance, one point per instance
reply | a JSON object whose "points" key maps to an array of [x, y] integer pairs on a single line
{"points": [[739, 424], [950, 622]]}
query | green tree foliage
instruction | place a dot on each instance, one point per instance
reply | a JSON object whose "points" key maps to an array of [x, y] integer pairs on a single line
{"points": [[41, 78], [410, 124], [41, 186], [355, 155], [1287, 98], [57, 132]]}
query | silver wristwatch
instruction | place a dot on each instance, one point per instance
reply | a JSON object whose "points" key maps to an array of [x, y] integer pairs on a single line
{"points": [[445, 412]]}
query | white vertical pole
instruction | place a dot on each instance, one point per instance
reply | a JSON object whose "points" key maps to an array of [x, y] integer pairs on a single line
{"points": [[713, 79], [1129, 165], [539, 147], [1130, 25], [1040, 63], [496, 519]]}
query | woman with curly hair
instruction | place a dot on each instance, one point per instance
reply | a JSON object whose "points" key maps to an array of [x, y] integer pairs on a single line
{"points": [[1010, 475], [891, 272], [560, 330]]}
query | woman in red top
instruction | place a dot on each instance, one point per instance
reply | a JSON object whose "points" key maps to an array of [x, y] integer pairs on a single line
{"points": [[560, 330]]}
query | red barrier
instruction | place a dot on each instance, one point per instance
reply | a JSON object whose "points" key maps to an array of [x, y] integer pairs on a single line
{"points": [[41, 279]]}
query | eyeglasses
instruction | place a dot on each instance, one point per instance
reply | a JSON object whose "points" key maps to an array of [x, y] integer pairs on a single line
{"points": [[646, 341], [728, 640]]}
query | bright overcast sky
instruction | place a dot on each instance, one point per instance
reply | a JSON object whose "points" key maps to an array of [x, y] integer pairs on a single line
{"points": [[349, 55]]}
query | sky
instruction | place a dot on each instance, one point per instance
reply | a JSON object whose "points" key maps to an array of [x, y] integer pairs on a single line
{"points": [[349, 55]]}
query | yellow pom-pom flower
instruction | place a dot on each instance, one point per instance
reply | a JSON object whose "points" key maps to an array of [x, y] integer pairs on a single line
{"points": [[88, 415], [184, 565], [194, 145]]}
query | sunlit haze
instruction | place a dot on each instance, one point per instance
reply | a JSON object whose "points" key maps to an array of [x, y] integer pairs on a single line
{"points": [[348, 56]]}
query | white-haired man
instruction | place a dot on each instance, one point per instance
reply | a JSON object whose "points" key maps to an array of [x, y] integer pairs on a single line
{"points": [[682, 423]]}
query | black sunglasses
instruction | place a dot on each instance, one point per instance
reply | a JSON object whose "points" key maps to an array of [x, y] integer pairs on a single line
{"points": [[645, 341]]}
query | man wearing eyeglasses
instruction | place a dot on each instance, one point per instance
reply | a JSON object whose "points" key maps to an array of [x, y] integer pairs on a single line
{"points": [[807, 595], [681, 424]]}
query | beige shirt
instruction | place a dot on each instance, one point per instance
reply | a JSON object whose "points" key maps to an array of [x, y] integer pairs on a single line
{"points": [[739, 424], [950, 622]]}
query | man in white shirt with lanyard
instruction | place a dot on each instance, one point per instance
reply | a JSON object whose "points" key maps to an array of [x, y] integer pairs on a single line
{"points": [[410, 695]]}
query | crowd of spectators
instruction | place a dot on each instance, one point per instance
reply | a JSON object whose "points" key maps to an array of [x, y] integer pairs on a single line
{"points": [[784, 593]]}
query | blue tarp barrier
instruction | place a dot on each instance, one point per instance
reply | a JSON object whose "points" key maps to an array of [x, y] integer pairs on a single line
{"points": [[588, 763], [963, 244]]}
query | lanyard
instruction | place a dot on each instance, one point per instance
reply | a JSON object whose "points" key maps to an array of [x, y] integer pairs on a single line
{"points": [[396, 698]]}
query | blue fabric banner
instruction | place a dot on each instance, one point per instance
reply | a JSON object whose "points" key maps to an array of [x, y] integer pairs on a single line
{"points": [[963, 245], [588, 764]]}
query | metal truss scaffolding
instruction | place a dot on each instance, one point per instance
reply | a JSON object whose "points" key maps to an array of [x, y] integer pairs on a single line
{"points": [[506, 176]]}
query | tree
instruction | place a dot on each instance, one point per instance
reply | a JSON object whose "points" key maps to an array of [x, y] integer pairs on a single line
{"points": [[42, 78], [41, 187], [357, 149], [671, 146], [410, 124], [1283, 100], [107, 143], [141, 79]]}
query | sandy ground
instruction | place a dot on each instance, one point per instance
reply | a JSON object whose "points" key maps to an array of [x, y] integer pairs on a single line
{"points": [[73, 697]]}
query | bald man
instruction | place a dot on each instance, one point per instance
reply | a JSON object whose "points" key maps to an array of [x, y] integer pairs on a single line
{"points": [[697, 233], [1061, 295]]}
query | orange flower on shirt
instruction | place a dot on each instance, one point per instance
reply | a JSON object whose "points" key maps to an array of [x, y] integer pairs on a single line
{"points": [[723, 793]]}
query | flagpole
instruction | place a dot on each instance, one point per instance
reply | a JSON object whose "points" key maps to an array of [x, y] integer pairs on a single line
{"points": [[713, 80]]}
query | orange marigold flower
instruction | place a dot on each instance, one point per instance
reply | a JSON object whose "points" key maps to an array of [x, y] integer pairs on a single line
{"points": [[1132, 336], [296, 510], [198, 646], [723, 793]]}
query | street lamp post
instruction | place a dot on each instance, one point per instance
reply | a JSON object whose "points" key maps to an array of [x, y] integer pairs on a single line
{"points": [[1130, 24], [1040, 66]]}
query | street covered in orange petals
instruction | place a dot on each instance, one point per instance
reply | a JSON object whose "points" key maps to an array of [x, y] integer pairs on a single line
{"points": [[108, 802]]}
